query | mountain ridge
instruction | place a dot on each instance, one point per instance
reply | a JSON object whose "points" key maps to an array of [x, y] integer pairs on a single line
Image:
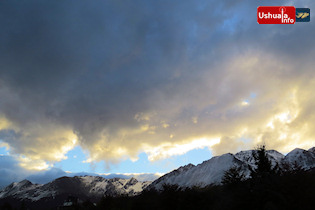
{"points": [[88, 187], [209, 172]]}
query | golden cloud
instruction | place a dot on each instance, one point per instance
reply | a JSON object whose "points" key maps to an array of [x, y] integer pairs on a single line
{"points": [[37, 146], [225, 119], [276, 116]]}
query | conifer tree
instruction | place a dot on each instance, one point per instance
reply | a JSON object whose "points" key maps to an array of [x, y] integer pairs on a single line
{"points": [[233, 175], [262, 162]]}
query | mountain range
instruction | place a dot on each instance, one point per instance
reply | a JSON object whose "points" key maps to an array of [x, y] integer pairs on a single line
{"points": [[209, 172]]}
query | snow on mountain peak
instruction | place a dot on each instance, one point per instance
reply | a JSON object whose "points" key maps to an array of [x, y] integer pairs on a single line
{"points": [[300, 157], [91, 186], [17, 189], [208, 172], [211, 171], [246, 156]]}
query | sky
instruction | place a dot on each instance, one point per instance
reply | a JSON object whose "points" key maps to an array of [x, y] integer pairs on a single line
{"points": [[142, 87]]}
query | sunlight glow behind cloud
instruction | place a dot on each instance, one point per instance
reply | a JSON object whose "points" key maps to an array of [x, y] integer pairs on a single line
{"points": [[121, 79], [168, 149]]}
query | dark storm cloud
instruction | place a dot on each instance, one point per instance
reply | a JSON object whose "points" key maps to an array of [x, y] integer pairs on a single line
{"points": [[91, 67], [88, 57]]}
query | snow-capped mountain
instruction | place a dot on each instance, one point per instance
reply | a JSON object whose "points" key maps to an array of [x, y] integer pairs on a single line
{"points": [[84, 187], [206, 173], [210, 172], [247, 157], [305, 159], [18, 189]]}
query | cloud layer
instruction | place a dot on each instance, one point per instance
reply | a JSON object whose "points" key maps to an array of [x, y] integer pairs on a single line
{"points": [[124, 77]]}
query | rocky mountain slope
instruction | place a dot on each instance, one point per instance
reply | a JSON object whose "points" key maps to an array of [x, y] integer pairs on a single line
{"points": [[210, 172], [84, 187]]}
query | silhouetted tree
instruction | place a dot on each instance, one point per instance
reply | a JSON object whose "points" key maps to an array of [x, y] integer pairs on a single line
{"points": [[262, 162], [233, 175]]}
